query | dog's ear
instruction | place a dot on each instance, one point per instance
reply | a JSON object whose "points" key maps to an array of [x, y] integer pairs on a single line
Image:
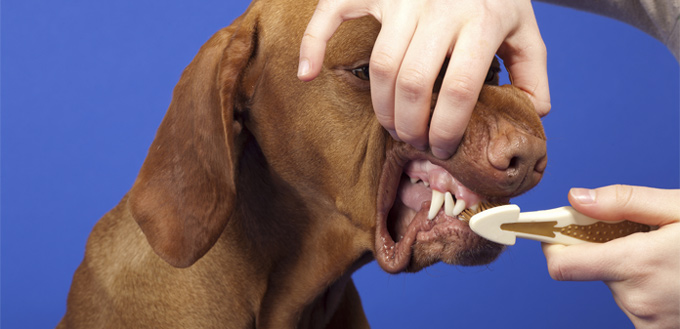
{"points": [[185, 191]]}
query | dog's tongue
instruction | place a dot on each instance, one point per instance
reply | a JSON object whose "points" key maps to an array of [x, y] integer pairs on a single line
{"points": [[413, 195], [395, 255]]}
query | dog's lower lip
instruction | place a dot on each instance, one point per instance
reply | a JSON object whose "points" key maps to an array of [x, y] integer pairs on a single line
{"points": [[395, 256], [429, 224]]}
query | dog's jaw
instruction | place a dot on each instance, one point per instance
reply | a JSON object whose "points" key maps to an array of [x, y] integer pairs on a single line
{"points": [[503, 127], [408, 238]]}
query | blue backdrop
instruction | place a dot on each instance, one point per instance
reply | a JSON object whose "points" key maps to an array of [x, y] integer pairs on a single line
{"points": [[86, 83]]}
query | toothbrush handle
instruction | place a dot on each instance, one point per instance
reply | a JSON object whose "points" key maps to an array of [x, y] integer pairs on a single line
{"points": [[565, 225]]}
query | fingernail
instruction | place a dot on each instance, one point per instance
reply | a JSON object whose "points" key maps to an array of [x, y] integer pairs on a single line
{"points": [[303, 67], [583, 195], [440, 153]]}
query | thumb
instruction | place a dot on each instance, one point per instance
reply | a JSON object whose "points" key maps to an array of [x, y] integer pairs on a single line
{"points": [[644, 205]]}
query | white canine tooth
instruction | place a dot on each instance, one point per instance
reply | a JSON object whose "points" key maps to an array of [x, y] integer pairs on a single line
{"points": [[475, 207], [435, 204], [448, 204], [460, 206]]}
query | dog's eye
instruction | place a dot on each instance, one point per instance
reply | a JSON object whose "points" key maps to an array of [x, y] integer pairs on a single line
{"points": [[361, 72]]}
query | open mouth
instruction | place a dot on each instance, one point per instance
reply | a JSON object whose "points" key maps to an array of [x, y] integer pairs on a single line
{"points": [[422, 202]]}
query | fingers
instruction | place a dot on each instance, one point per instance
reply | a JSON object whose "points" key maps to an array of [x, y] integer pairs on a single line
{"points": [[415, 38], [321, 27], [415, 81], [460, 88], [641, 270], [326, 19], [525, 57], [386, 59], [474, 41], [583, 262], [617, 202], [618, 259], [528, 72]]}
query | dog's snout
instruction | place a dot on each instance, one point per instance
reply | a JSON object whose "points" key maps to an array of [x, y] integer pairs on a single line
{"points": [[516, 154]]}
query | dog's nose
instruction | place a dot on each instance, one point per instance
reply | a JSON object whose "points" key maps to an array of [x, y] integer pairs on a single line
{"points": [[516, 156]]}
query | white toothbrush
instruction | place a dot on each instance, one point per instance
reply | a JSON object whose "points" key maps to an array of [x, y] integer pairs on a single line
{"points": [[564, 225]]}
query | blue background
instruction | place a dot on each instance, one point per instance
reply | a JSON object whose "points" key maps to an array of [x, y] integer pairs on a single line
{"points": [[86, 83]]}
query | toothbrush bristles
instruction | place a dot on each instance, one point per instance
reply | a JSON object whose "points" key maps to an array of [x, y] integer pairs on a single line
{"points": [[467, 214]]}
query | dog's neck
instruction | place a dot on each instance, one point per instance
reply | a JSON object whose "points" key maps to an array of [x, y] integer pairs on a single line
{"points": [[288, 240], [319, 313]]}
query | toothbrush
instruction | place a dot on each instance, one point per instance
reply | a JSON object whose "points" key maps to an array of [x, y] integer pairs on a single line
{"points": [[504, 223]]}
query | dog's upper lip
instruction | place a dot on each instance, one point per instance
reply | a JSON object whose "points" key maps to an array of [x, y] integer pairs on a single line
{"points": [[440, 179]]}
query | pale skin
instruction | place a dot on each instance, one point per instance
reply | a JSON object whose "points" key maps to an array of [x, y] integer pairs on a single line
{"points": [[642, 270], [415, 39]]}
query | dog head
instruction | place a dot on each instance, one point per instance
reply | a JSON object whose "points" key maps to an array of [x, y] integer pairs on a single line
{"points": [[242, 130]]}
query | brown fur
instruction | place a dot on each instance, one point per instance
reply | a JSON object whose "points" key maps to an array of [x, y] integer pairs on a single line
{"points": [[257, 199]]}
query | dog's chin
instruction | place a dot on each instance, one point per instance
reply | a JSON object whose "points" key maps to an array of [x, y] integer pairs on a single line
{"points": [[451, 244], [406, 239], [443, 239]]}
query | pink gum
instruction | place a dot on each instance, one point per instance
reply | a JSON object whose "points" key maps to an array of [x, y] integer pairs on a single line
{"points": [[440, 180]]}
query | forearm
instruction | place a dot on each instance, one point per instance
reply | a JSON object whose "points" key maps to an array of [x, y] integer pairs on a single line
{"points": [[658, 18]]}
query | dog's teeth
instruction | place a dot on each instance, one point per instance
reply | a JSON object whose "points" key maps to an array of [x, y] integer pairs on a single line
{"points": [[414, 180], [448, 204], [436, 204], [460, 206], [474, 207], [426, 184]]}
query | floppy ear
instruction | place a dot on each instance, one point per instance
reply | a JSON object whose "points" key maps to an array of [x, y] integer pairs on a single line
{"points": [[185, 191]]}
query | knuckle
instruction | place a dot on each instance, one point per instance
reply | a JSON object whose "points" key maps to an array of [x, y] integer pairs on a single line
{"points": [[460, 88], [489, 17], [383, 66], [535, 49], [412, 84], [623, 196], [309, 38]]}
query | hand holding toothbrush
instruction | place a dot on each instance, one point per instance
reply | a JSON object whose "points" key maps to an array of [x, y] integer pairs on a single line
{"points": [[641, 270]]}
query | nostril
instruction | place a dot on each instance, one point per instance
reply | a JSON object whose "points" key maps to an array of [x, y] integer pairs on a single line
{"points": [[508, 152], [514, 163], [517, 154]]}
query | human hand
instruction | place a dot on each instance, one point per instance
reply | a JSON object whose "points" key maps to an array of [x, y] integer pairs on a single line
{"points": [[642, 270], [415, 39]]}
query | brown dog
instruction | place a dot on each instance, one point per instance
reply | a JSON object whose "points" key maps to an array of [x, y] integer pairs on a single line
{"points": [[261, 194]]}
